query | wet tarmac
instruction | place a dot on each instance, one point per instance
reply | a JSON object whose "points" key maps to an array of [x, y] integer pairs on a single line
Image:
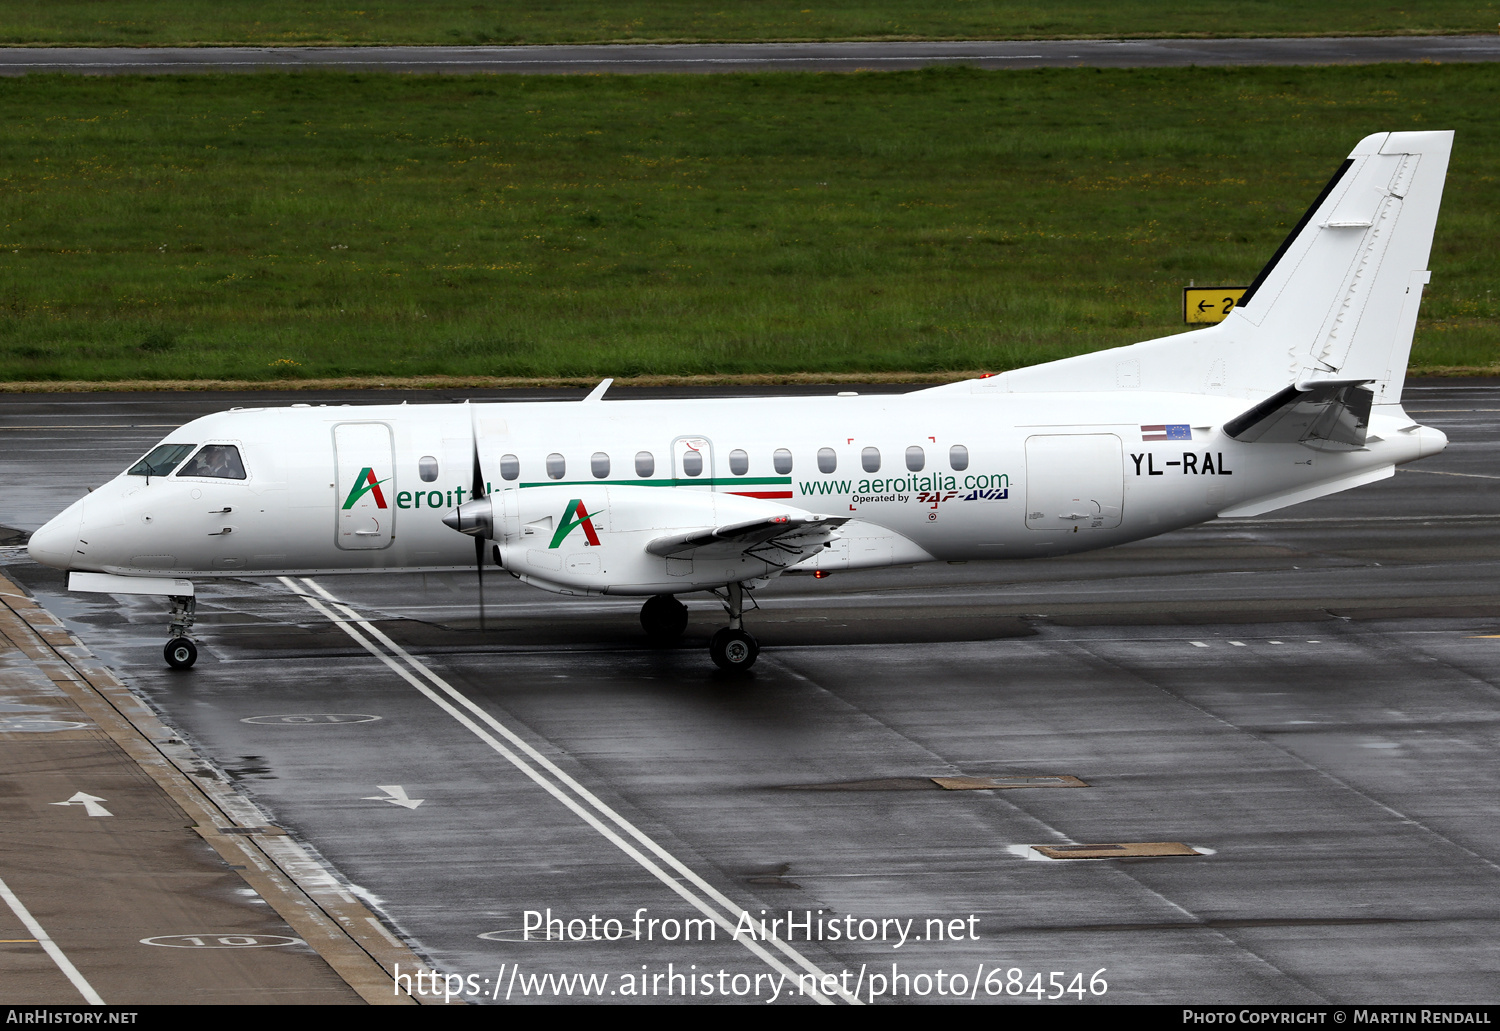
{"points": [[1307, 701]]}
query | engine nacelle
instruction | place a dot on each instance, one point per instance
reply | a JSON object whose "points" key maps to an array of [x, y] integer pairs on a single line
{"points": [[585, 539]]}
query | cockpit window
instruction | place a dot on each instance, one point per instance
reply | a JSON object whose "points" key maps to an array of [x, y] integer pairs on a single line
{"points": [[219, 461], [161, 460]]}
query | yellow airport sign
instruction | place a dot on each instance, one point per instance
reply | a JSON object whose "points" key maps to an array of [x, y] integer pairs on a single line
{"points": [[1209, 303]]}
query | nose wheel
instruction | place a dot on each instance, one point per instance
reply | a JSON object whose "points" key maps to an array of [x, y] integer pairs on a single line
{"points": [[180, 652], [733, 649]]}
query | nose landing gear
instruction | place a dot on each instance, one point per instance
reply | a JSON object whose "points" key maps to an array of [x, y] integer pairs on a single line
{"points": [[180, 652]]}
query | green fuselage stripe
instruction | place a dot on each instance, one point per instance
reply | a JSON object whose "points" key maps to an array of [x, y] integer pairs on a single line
{"points": [[686, 482]]}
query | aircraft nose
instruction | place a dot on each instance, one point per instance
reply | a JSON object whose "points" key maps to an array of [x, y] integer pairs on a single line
{"points": [[56, 543]]}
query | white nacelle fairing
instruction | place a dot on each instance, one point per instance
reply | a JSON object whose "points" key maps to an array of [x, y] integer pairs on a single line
{"points": [[551, 537]]}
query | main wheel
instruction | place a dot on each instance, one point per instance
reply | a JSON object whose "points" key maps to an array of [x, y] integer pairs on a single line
{"points": [[664, 618], [180, 653], [733, 650]]}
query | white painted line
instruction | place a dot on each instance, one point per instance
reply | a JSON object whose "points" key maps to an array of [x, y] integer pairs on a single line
{"points": [[350, 619], [1443, 472], [736, 911], [63, 963], [387, 935], [1197, 644], [1446, 517], [1238, 644]]}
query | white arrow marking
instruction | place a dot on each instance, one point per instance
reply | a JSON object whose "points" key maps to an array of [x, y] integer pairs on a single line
{"points": [[395, 794], [90, 804]]}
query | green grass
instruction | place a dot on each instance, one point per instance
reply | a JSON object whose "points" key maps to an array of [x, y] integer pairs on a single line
{"points": [[268, 226], [291, 22]]}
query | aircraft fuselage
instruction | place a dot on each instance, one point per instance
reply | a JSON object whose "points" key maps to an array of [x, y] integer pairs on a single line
{"points": [[918, 477]]}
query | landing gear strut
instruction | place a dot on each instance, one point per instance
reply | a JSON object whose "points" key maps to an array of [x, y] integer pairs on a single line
{"points": [[731, 648], [180, 652], [664, 618]]}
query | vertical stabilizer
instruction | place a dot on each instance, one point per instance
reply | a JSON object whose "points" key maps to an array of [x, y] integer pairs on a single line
{"points": [[1337, 301], [1343, 291]]}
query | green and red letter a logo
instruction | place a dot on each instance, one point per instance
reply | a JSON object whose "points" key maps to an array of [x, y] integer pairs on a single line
{"points": [[574, 517], [365, 483]]}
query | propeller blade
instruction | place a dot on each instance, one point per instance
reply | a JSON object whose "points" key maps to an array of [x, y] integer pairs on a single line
{"points": [[477, 491]]}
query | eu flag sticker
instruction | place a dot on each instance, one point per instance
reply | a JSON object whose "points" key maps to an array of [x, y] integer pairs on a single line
{"points": [[1168, 432]]}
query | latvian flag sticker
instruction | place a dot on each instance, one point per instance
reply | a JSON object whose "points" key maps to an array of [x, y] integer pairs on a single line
{"points": [[1166, 432]]}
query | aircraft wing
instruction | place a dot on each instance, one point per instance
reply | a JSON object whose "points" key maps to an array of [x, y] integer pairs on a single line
{"points": [[1325, 415], [783, 539]]}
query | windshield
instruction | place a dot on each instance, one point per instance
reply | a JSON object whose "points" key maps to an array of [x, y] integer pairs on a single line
{"points": [[220, 461], [162, 460]]}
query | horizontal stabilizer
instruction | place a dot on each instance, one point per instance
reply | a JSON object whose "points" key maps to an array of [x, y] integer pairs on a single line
{"points": [[1297, 495], [792, 534], [1325, 415]]}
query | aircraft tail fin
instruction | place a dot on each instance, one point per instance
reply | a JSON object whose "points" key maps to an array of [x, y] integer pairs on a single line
{"points": [[1337, 301]]}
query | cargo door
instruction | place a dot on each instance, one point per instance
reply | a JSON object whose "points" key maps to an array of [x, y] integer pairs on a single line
{"points": [[1074, 480]]}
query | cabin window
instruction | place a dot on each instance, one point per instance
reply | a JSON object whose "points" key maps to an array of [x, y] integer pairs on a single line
{"points": [[599, 465], [958, 457], [510, 467], [827, 460], [692, 463], [870, 459], [916, 458], [162, 460], [557, 466], [739, 462], [427, 468], [781, 460], [645, 463], [216, 461]]}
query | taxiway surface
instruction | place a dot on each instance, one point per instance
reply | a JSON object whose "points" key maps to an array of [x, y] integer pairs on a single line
{"points": [[629, 58], [1311, 700]]}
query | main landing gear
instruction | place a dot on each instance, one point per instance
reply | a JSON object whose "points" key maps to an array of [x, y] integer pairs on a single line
{"points": [[664, 618], [732, 649], [180, 652]]}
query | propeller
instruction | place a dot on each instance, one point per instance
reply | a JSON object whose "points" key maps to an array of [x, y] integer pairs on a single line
{"points": [[477, 492], [475, 517]]}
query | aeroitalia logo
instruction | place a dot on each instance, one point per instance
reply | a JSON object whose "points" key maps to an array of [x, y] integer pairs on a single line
{"points": [[575, 516], [366, 483]]}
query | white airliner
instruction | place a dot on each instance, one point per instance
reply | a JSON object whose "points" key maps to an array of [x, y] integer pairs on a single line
{"points": [[1296, 395]]}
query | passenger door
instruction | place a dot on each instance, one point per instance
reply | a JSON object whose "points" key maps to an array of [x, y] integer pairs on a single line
{"points": [[366, 486]]}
